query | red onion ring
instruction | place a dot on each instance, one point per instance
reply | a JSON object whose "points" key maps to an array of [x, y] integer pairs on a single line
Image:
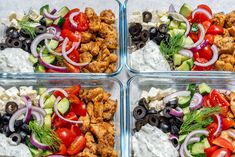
{"points": [[53, 11], [186, 53], [67, 58], [50, 16], [191, 141], [172, 137], [199, 47], [176, 94], [178, 112], [200, 10], [59, 115], [28, 103], [196, 102], [65, 42], [71, 19], [213, 59], [219, 127], [38, 144]]}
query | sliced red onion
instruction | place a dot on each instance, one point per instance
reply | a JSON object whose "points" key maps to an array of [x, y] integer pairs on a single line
{"points": [[53, 11], [64, 53], [176, 94], [59, 115], [37, 144], [50, 16], [28, 114], [37, 40], [56, 31], [171, 8], [196, 102], [71, 19], [219, 127], [64, 44], [201, 38], [186, 53], [200, 10], [181, 18], [190, 135], [213, 59], [41, 100], [231, 133], [50, 50], [199, 47], [14, 143], [178, 112], [191, 141], [39, 118], [224, 91], [173, 137], [39, 110]]}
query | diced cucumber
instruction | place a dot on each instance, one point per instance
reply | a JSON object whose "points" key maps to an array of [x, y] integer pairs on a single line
{"points": [[178, 59], [40, 69], [33, 59], [44, 7], [48, 111], [47, 121], [190, 62], [63, 106], [47, 21], [171, 32], [41, 90], [174, 25], [192, 88], [47, 153], [49, 102], [178, 31], [63, 11], [187, 41], [184, 101], [34, 16], [182, 25], [186, 110], [36, 152], [53, 44], [48, 58], [182, 138], [198, 148], [184, 67], [204, 89], [59, 22], [186, 10]]}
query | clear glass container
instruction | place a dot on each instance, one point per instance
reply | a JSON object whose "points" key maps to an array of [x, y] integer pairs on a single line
{"points": [[139, 83], [131, 6], [23, 6], [111, 85]]}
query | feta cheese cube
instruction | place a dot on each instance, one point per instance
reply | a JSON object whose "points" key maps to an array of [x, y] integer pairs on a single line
{"points": [[168, 91], [153, 93], [13, 91], [144, 94], [157, 105]]}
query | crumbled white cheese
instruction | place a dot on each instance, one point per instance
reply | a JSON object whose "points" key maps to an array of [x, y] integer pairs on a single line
{"points": [[153, 93], [144, 94]]}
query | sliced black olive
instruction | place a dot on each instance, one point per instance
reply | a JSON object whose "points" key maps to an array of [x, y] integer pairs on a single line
{"points": [[178, 121], [9, 42], [167, 38], [135, 29], [174, 142], [23, 135], [3, 46], [14, 34], [24, 127], [6, 118], [18, 124], [170, 18], [164, 127], [139, 123], [140, 45], [11, 107], [174, 130], [16, 138], [40, 29], [136, 38], [24, 33], [166, 112], [139, 112], [153, 119], [158, 39], [163, 28], [143, 102], [6, 130], [153, 32], [16, 43], [147, 16], [25, 47], [43, 22], [144, 35], [9, 31], [173, 103]]}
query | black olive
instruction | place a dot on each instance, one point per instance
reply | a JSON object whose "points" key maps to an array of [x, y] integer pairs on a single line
{"points": [[170, 18], [143, 102], [166, 112], [136, 38], [3, 46], [178, 121], [24, 127], [164, 127], [8, 42], [6, 130], [167, 38], [14, 34], [15, 138], [28, 41], [18, 124], [153, 119], [153, 31], [9, 31], [43, 22], [25, 47], [40, 29], [6, 118], [174, 130], [174, 142], [158, 39], [163, 28], [140, 45], [11, 107], [23, 135], [16, 43], [144, 35], [135, 29], [24, 33], [172, 103], [139, 112], [147, 16], [139, 123]]}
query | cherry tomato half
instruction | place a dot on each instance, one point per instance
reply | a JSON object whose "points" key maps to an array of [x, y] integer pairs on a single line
{"points": [[209, 151], [215, 30], [82, 22], [216, 99], [210, 38], [221, 151], [227, 123], [206, 7], [77, 146], [219, 141], [206, 53], [66, 136], [62, 150]]}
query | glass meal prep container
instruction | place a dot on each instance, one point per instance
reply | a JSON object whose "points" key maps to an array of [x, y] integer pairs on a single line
{"points": [[11, 6], [140, 83], [133, 10], [111, 85]]}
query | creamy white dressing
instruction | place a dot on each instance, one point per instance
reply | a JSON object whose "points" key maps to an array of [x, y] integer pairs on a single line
{"points": [[15, 60], [152, 142], [149, 59], [6, 149]]}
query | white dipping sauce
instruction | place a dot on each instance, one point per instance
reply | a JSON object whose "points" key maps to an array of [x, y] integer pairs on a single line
{"points": [[149, 59], [15, 60], [152, 142]]}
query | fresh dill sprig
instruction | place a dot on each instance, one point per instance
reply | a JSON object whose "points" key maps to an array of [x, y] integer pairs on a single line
{"points": [[25, 24], [45, 135]]}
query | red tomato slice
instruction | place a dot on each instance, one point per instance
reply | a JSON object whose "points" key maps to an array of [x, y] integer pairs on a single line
{"points": [[206, 7], [68, 46], [79, 108], [76, 130], [72, 36], [71, 68], [62, 150], [216, 99], [206, 101], [222, 152], [200, 17], [215, 30], [206, 53], [66, 136], [227, 123], [77, 146], [210, 151], [74, 56], [73, 89], [219, 141], [206, 25], [210, 38], [194, 36], [198, 68], [82, 21]]}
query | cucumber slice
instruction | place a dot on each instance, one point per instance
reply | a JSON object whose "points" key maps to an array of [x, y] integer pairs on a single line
{"points": [[63, 11], [36, 152], [49, 111], [182, 138], [186, 110], [59, 22], [33, 59], [48, 58], [44, 7], [40, 69], [204, 89], [184, 101], [186, 10], [198, 148], [63, 106], [47, 121], [183, 67], [178, 59], [53, 44], [49, 102], [192, 88], [41, 90]]}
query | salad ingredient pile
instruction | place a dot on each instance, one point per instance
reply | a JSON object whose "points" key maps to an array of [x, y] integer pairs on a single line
{"points": [[67, 40], [198, 121], [56, 121], [194, 39]]}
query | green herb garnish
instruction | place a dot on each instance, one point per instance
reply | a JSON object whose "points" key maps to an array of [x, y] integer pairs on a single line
{"points": [[198, 119], [45, 135], [194, 28], [26, 25], [173, 46]]}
